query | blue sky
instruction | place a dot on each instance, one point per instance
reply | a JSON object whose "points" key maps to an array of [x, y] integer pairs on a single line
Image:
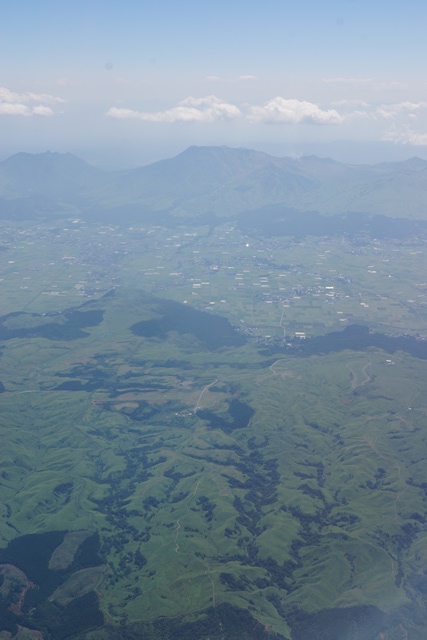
{"points": [[132, 82]]}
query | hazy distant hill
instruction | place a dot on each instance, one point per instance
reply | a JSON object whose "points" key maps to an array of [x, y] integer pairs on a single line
{"points": [[47, 174], [48, 183], [209, 180]]}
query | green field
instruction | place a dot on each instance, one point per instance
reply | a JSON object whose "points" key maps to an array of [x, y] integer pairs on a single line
{"points": [[238, 490]]}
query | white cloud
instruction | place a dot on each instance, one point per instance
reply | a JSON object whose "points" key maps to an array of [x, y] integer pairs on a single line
{"points": [[42, 110], [122, 114], [211, 109], [278, 110], [207, 109], [6, 95], [247, 77], [405, 135], [293, 111], [390, 111], [42, 97], [17, 109], [25, 104]]}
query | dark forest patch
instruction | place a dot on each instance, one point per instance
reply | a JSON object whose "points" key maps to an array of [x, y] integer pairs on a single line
{"points": [[31, 554], [357, 338], [212, 331], [67, 325], [238, 416]]}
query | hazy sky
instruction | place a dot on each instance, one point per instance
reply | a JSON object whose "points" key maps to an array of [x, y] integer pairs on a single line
{"points": [[129, 82]]}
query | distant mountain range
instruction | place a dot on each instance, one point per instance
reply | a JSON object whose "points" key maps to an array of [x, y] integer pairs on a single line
{"points": [[208, 183]]}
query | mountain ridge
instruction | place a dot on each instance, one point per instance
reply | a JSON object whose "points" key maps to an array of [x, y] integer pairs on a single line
{"points": [[221, 180]]}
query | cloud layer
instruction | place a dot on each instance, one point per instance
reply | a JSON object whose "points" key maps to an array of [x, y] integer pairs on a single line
{"points": [[405, 135], [399, 117], [294, 112], [275, 111], [291, 111], [26, 104], [208, 109], [390, 111], [211, 109]]}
